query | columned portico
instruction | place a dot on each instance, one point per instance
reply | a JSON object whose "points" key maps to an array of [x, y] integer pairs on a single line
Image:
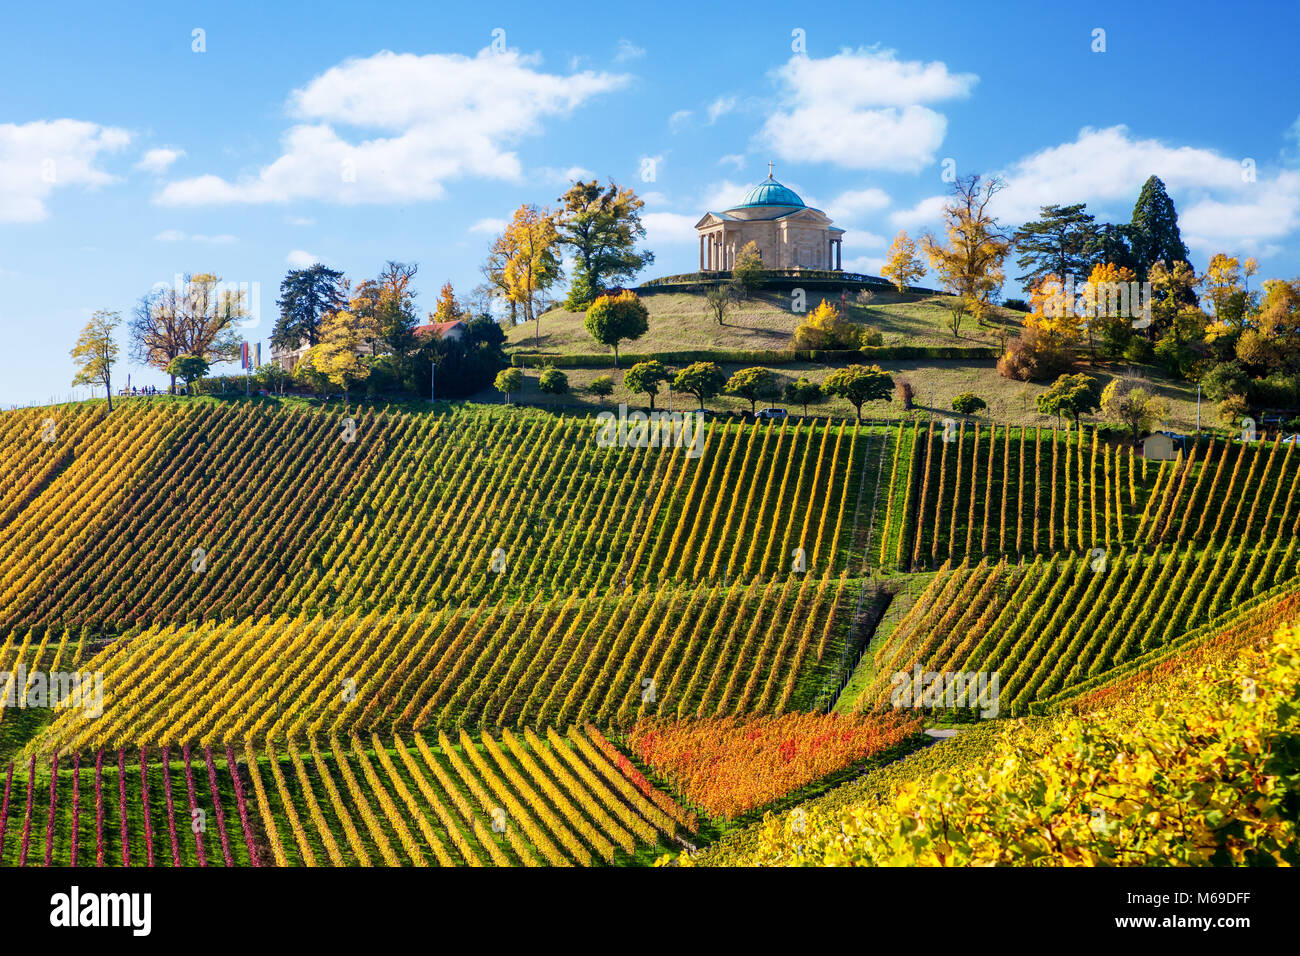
{"points": [[787, 233]]}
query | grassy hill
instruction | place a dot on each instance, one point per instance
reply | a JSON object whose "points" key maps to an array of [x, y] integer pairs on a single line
{"points": [[679, 321]]}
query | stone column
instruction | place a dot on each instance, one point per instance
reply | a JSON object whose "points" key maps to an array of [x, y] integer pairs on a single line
{"points": [[701, 252], [839, 254]]}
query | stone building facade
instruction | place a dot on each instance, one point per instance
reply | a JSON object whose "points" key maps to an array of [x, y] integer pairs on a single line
{"points": [[789, 234]]}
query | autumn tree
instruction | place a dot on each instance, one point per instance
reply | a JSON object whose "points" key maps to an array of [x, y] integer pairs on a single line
{"points": [[1070, 395], [612, 319], [391, 296], [859, 384], [969, 264], [1273, 341], [826, 328], [645, 378], [704, 380], [902, 265], [1105, 295], [307, 296], [747, 273], [509, 381], [532, 265], [95, 352], [601, 225], [447, 308], [337, 356], [1130, 404], [199, 317], [1226, 293], [752, 384]]}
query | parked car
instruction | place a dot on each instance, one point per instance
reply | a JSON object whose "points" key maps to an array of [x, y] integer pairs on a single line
{"points": [[776, 413]]}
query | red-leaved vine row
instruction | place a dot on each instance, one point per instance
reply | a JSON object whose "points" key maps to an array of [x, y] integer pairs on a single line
{"points": [[171, 807], [27, 820], [99, 807], [216, 805], [54, 795], [121, 805], [76, 806], [194, 806], [233, 768]]}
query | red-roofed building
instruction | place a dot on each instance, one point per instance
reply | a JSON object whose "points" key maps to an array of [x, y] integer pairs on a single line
{"points": [[450, 331]]}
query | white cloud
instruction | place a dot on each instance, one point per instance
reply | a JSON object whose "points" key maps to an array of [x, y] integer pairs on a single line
{"points": [[301, 221], [678, 120], [862, 109], [488, 227], [157, 160], [721, 107], [1245, 223], [627, 50], [719, 196], [925, 213], [438, 117], [669, 228], [735, 159], [848, 206], [301, 259], [1218, 210], [38, 157], [866, 265], [176, 235], [1108, 165], [562, 177]]}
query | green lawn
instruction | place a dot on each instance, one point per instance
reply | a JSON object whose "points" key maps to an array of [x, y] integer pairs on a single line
{"points": [[679, 321]]}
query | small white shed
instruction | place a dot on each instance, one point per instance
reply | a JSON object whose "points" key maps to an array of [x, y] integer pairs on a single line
{"points": [[1158, 447]]}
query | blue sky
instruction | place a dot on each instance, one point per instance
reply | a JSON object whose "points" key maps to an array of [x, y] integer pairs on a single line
{"points": [[359, 133]]}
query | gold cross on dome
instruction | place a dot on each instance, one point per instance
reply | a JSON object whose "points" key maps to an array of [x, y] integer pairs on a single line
{"points": [[769, 170]]}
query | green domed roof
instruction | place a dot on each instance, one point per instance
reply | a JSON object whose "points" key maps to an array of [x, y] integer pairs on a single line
{"points": [[771, 193]]}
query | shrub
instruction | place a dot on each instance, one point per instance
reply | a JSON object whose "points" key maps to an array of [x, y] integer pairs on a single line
{"points": [[1017, 305], [1033, 357], [826, 328], [871, 338], [553, 382], [968, 403], [602, 385], [903, 389]]}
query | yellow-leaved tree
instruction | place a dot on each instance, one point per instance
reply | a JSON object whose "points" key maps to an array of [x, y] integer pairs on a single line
{"points": [[338, 356], [902, 265], [969, 264], [531, 261], [826, 328]]}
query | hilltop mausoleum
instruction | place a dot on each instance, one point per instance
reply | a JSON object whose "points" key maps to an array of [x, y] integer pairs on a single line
{"points": [[788, 233]]}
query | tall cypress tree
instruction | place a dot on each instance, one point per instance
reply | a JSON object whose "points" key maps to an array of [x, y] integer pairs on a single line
{"points": [[1154, 229]]}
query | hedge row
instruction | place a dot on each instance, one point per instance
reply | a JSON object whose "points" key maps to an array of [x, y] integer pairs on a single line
{"points": [[877, 353]]}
